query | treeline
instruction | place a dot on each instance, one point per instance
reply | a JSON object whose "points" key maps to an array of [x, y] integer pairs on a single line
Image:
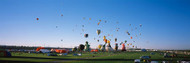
{"points": [[26, 47]]}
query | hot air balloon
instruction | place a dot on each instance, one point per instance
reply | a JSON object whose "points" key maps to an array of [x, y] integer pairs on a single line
{"points": [[81, 47], [74, 49], [129, 24], [99, 46], [98, 32], [123, 47], [98, 40], [131, 37], [104, 37], [100, 20], [98, 23], [87, 46], [86, 35], [125, 41], [105, 40], [115, 39], [130, 43], [133, 41], [37, 18], [61, 14], [127, 44], [82, 25], [135, 28], [128, 33], [89, 18], [108, 41], [84, 18], [140, 25]]}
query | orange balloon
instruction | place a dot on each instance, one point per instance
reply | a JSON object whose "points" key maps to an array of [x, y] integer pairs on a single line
{"points": [[105, 40], [98, 23], [131, 37]]}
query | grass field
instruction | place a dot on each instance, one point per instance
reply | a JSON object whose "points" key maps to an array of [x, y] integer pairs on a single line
{"points": [[100, 57]]}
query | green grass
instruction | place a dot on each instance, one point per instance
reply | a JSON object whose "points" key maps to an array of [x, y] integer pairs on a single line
{"points": [[33, 57]]}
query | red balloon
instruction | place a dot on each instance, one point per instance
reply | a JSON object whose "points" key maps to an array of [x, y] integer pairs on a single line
{"points": [[37, 18], [131, 37]]}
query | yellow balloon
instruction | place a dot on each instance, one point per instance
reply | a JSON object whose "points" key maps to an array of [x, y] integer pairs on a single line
{"points": [[99, 46], [104, 37], [108, 41]]}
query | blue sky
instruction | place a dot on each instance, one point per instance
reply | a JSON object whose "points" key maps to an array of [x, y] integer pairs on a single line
{"points": [[165, 23]]}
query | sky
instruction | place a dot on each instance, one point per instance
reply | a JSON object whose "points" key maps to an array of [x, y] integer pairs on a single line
{"points": [[165, 23]]}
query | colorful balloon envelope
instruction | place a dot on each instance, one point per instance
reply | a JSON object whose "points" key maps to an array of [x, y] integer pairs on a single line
{"points": [[104, 37], [115, 39], [37, 18], [86, 35], [105, 40], [98, 32], [108, 41]]}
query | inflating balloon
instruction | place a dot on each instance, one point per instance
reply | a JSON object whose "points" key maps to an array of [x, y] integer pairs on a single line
{"points": [[123, 47], [87, 46], [98, 32], [86, 35], [81, 47]]}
